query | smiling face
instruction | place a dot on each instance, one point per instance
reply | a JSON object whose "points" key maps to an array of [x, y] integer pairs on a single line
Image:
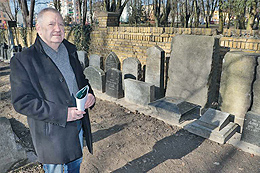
{"points": [[51, 29]]}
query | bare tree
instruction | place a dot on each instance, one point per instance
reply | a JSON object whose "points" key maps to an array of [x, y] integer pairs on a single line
{"points": [[4, 6], [27, 15], [165, 14], [57, 4], [252, 11], [221, 16], [115, 6]]}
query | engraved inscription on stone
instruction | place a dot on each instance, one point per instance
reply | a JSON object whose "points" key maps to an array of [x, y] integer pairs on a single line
{"points": [[114, 83], [112, 61], [251, 129], [253, 126]]}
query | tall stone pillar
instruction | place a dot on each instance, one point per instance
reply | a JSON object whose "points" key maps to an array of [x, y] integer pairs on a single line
{"points": [[106, 19]]}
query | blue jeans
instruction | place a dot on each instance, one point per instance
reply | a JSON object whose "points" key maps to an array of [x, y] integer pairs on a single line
{"points": [[71, 167]]}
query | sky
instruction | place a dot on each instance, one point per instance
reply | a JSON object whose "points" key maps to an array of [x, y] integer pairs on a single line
{"points": [[39, 4]]}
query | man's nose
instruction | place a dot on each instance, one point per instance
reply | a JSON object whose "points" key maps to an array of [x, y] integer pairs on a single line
{"points": [[57, 27]]}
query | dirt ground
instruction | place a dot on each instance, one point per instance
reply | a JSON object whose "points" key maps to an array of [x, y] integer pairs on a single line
{"points": [[131, 142]]}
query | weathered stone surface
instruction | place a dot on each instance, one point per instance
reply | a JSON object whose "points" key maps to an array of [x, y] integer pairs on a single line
{"points": [[96, 77], [4, 48], [114, 86], [174, 111], [256, 88], [131, 68], [236, 84], [139, 92], [112, 61], [215, 125], [251, 130], [83, 58], [194, 69], [154, 73], [10, 152], [96, 61]]}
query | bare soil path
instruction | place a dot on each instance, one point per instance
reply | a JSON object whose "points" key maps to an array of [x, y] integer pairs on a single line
{"points": [[131, 142]]}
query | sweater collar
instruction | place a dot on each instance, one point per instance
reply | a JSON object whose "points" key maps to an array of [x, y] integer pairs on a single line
{"points": [[71, 48]]}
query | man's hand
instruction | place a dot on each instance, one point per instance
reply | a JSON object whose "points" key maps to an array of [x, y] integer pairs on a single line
{"points": [[74, 114], [90, 101]]}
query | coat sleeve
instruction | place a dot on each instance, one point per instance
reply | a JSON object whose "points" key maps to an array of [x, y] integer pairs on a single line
{"points": [[27, 101], [82, 78]]}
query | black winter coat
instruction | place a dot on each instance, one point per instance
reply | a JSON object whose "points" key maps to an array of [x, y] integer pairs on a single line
{"points": [[40, 92]]}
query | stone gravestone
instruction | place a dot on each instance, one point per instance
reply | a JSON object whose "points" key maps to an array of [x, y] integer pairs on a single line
{"points": [[4, 47], [114, 86], [112, 61], [96, 61], [214, 125], [96, 77], [251, 130], [256, 86], [194, 75], [236, 84], [83, 58], [194, 69], [10, 152], [139, 92], [154, 73], [131, 68], [11, 51], [175, 111]]}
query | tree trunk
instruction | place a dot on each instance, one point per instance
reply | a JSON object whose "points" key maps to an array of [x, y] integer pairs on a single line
{"points": [[84, 12], [196, 14], [157, 8], [221, 22], [27, 17], [57, 4], [252, 16], [91, 12], [31, 13]]}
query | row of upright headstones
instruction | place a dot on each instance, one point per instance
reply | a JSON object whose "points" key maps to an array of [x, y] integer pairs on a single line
{"points": [[128, 83], [7, 52], [203, 82]]}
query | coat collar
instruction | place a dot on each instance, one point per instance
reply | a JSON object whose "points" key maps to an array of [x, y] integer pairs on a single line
{"points": [[71, 48]]}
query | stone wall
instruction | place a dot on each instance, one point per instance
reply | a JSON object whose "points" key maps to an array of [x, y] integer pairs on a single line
{"points": [[134, 41]]}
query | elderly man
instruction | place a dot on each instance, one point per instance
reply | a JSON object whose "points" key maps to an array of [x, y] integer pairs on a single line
{"points": [[44, 80]]}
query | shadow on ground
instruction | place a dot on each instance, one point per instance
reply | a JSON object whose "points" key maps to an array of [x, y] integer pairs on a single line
{"points": [[172, 147], [102, 134]]}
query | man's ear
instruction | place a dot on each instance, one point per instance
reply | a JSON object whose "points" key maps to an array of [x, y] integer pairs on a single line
{"points": [[38, 28]]}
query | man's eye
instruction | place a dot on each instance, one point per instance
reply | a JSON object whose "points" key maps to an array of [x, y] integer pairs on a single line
{"points": [[51, 24]]}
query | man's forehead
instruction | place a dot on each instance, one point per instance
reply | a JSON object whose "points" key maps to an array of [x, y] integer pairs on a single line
{"points": [[49, 15]]}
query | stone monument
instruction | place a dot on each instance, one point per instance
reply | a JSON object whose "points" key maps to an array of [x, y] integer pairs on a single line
{"points": [[96, 77], [237, 78], [214, 125], [251, 130], [10, 152], [154, 73], [96, 61], [112, 61], [194, 75], [114, 86], [131, 68], [139, 92], [83, 58]]}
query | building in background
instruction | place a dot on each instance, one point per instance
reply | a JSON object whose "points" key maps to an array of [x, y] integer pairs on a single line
{"points": [[5, 13]]}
